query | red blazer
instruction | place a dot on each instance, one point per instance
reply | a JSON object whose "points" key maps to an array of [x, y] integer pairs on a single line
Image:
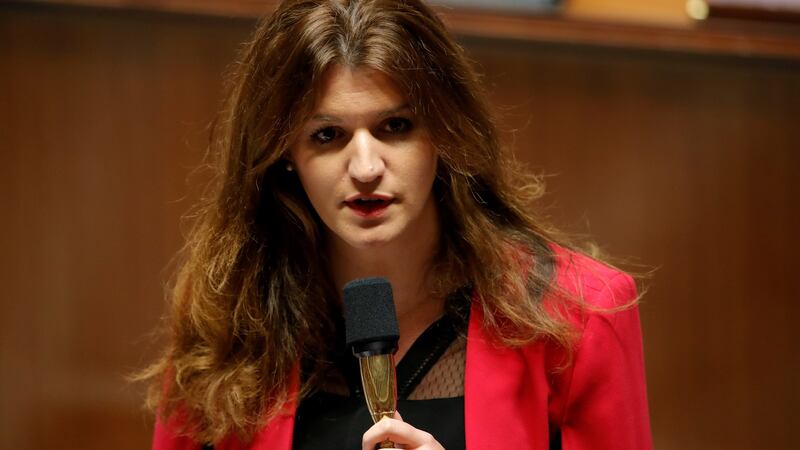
{"points": [[514, 397]]}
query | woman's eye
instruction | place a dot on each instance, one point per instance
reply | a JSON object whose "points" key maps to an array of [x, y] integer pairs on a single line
{"points": [[397, 125], [325, 135]]}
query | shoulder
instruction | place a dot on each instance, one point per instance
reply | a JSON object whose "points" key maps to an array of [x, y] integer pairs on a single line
{"points": [[593, 283], [603, 386]]}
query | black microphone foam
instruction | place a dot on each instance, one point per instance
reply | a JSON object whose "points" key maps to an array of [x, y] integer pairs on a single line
{"points": [[369, 316]]}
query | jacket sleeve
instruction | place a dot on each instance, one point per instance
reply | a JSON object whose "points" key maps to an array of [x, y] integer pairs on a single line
{"points": [[604, 404]]}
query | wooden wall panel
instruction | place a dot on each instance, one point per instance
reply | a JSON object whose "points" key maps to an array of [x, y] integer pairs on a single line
{"points": [[103, 116], [689, 163]]}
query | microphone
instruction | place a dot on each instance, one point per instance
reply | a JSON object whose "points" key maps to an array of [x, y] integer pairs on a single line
{"points": [[372, 333]]}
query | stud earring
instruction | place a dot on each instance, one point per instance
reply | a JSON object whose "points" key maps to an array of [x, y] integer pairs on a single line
{"points": [[289, 167]]}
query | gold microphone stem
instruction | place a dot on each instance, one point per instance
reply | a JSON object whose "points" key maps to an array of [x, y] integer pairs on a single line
{"points": [[380, 388]]}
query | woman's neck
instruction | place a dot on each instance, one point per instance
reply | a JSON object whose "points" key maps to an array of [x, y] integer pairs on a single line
{"points": [[407, 266]]}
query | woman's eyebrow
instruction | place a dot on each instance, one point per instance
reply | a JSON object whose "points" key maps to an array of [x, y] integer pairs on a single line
{"points": [[398, 109], [325, 118], [330, 118]]}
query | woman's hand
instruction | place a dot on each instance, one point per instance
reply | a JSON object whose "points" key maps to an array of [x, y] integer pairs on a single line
{"points": [[399, 432]]}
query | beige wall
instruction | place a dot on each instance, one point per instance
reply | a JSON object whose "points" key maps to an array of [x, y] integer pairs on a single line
{"points": [[656, 11]]}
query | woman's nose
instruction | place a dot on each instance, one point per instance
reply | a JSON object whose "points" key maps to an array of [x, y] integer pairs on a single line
{"points": [[366, 163]]}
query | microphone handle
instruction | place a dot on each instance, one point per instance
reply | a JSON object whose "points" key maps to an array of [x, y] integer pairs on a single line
{"points": [[380, 388]]}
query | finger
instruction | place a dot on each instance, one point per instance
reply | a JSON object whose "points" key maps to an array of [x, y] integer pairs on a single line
{"points": [[398, 432], [398, 416]]}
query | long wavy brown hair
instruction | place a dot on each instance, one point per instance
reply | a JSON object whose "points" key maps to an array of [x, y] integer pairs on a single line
{"points": [[252, 296]]}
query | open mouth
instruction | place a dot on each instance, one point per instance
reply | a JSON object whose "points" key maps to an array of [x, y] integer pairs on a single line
{"points": [[369, 206]]}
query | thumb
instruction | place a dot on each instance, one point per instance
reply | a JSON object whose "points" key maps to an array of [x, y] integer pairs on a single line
{"points": [[398, 416]]}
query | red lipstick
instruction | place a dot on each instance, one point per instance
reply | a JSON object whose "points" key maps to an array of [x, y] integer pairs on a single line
{"points": [[369, 205]]}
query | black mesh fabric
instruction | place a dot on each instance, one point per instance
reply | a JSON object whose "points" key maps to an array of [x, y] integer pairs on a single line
{"points": [[445, 379]]}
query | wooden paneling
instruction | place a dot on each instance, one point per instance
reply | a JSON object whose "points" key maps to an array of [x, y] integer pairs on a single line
{"points": [[653, 11], [653, 25], [711, 38], [688, 163], [103, 115]]}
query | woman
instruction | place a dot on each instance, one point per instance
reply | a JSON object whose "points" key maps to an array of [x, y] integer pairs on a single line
{"points": [[356, 142]]}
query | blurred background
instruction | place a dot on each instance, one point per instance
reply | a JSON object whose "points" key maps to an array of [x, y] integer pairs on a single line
{"points": [[671, 129]]}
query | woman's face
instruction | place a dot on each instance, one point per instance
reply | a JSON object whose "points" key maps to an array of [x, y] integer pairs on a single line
{"points": [[365, 162]]}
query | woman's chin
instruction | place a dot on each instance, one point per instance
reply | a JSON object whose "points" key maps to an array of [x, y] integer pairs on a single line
{"points": [[368, 239], [370, 242]]}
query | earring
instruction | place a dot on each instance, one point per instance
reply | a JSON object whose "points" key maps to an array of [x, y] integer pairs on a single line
{"points": [[289, 167]]}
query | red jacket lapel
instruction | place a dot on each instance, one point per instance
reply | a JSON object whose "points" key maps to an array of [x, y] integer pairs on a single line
{"points": [[501, 390]]}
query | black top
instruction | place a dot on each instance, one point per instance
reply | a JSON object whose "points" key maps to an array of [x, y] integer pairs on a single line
{"points": [[331, 421]]}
